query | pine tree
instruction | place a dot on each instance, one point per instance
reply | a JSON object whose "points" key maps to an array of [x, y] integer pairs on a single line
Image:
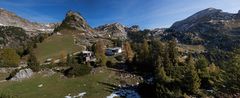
{"points": [[161, 80], [70, 60], [173, 52], [166, 60], [144, 52], [202, 62], [157, 52], [232, 73], [193, 79]]}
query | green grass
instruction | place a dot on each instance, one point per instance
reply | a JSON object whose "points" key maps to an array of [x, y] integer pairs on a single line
{"points": [[56, 87], [191, 48], [56, 45]]}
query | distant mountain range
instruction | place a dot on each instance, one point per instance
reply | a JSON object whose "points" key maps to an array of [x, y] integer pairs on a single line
{"points": [[210, 27], [11, 19]]}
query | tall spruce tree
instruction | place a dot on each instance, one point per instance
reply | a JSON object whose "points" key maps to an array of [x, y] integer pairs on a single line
{"points": [[173, 52], [193, 79], [232, 72]]}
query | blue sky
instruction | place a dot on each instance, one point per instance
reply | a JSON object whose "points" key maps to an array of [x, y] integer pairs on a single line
{"points": [[145, 13]]}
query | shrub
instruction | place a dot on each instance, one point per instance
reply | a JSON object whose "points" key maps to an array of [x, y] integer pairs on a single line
{"points": [[78, 70], [33, 63]]}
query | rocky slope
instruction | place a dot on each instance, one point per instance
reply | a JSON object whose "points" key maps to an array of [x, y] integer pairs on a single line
{"points": [[210, 27], [211, 18], [11, 19], [13, 37], [115, 30], [76, 25], [74, 21]]}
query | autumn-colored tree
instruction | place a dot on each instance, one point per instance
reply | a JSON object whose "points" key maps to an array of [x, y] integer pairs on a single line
{"points": [[63, 54], [100, 53], [9, 57], [128, 52]]}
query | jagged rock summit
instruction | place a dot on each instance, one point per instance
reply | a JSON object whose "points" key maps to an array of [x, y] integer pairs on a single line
{"points": [[114, 30], [74, 21]]}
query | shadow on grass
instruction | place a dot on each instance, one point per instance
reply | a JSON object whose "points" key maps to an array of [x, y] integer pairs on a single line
{"points": [[109, 87]]}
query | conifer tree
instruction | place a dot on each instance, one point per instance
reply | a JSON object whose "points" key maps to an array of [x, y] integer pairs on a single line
{"points": [[173, 52], [232, 74], [193, 79], [144, 52]]}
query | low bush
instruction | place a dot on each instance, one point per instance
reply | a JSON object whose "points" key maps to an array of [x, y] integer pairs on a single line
{"points": [[77, 70]]}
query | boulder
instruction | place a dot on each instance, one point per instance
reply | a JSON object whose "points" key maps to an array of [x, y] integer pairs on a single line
{"points": [[22, 74]]}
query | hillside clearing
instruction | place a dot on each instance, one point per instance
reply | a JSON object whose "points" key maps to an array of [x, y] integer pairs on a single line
{"points": [[98, 85], [55, 46]]}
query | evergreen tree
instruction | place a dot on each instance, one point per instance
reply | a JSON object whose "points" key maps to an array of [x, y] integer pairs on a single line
{"points": [[173, 52], [232, 73], [144, 52], [202, 62], [70, 60], [193, 79], [166, 60], [157, 52]]}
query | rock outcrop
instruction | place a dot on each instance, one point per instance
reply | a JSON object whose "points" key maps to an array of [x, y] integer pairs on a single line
{"points": [[22, 74], [115, 30], [74, 21]]}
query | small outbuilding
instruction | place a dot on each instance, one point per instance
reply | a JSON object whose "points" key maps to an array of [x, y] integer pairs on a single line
{"points": [[113, 51], [87, 56]]}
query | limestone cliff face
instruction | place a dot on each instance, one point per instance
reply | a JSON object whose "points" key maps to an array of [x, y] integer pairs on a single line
{"points": [[114, 30], [74, 21]]}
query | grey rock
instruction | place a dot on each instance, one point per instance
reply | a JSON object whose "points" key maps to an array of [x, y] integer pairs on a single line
{"points": [[22, 74], [115, 30]]}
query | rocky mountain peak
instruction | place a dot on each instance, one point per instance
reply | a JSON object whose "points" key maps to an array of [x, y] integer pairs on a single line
{"points": [[8, 18], [115, 30], [74, 20], [209, 15]]}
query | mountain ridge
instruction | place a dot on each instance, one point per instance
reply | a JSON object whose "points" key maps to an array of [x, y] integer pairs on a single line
{"points": [[8, 18]]}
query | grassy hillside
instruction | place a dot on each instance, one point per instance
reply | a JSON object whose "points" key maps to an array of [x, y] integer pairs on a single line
{"points": [[191, 48], [55, 46], [98, 85]]}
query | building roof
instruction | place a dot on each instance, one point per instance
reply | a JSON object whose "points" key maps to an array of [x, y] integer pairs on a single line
{"points": [[86, 52]]}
